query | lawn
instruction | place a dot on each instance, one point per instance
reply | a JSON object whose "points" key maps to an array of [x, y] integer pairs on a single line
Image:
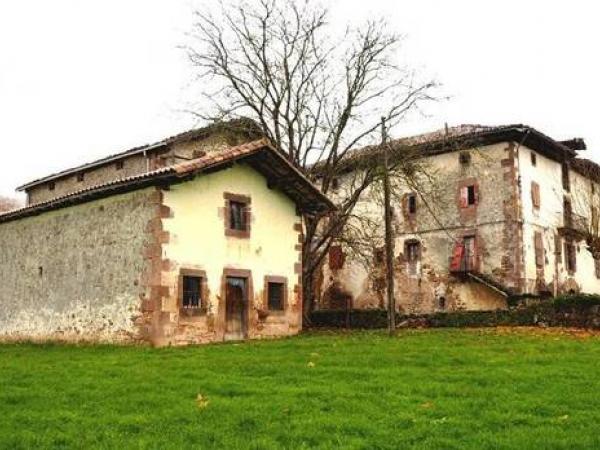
{"points": [[422, 389]]}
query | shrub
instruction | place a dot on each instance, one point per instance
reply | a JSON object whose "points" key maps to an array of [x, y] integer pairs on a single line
{"points": [[576, 302]]}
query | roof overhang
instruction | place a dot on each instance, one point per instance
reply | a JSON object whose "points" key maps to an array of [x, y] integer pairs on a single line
{"points": [[279, 172]]}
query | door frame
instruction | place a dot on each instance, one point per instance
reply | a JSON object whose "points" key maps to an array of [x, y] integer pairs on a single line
{"points": [[247, 317]]}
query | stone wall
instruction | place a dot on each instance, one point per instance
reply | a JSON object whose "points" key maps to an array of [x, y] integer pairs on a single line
{"points": [[76, 273]]}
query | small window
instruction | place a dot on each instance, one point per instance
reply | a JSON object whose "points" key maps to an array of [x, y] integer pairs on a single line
{"points": [[51, 186], [237, 215], [533, 159], [412, 203], [192, 292], [119, 165], [535, 194], [237, 219], [412, 251], [468, 196], [81, 176], [275, 293], [570, 256], [442, 303]]}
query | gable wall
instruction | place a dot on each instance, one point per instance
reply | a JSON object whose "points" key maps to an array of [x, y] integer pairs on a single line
{"points": [[196, 240]]}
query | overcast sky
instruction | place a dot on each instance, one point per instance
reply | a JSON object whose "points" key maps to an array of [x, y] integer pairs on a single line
{"points": [[80, 80]]}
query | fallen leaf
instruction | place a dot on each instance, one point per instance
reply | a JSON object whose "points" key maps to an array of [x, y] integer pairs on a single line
{"points": [[201, 401]]}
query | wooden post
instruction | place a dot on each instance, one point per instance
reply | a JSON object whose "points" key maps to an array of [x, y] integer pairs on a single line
{"points": [[389, 239]]}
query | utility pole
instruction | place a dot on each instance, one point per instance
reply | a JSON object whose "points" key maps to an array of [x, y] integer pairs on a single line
{"points": [[389, 240]]}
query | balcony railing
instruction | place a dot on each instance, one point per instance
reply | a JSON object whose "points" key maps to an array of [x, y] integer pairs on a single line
{"points": [[462, 260], [573, 223]]}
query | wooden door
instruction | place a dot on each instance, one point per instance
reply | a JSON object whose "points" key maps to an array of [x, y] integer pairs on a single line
{"points": [[235, 308]]}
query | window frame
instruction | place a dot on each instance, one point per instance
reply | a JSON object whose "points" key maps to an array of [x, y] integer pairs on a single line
{"points": [[570, 255], [187, 311], [413, 263], [411, 199], [275, 279], [237, 198]]}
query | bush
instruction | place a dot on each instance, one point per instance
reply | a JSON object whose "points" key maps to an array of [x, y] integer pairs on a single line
{"points": [[377, 318], [576, 302]]}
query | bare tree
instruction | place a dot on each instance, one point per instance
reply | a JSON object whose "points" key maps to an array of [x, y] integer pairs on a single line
{"points": [[8, 204], [315, 97]]}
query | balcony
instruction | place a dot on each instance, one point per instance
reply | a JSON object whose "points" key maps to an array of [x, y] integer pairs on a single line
{"points": [[573, 225]]}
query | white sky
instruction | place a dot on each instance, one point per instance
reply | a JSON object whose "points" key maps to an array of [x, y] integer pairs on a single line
{"points": [[80, 80]]}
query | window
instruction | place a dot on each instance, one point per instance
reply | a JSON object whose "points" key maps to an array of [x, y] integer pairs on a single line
{"points": [[468, 196], [192, 292], [535, 194], [237, 215], [275, 296], [469, 245], [570, 257], [533, 159], [412, 252], [51, 186], [119, 165], [412, 203], [538, 244], [81, 176]]}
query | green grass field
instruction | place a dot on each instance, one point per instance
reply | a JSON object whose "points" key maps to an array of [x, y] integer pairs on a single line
{"points": [[422, 389]]}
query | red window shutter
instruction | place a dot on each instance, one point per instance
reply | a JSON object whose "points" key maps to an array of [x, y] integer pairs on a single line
{"points": [[457, 257], [336, 257]]}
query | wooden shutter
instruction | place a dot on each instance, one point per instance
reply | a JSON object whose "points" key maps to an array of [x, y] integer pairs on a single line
{"points": [[336, 257], [535, 194], [557, 245], [457, 257], [539, 249], [464, 197]]}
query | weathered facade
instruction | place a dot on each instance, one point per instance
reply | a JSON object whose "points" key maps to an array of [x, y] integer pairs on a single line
{"points": [[505, 211], [198, 251]]}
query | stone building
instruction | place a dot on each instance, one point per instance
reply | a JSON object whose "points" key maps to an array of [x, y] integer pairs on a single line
{"points": [[193, 239], [503, 211]]}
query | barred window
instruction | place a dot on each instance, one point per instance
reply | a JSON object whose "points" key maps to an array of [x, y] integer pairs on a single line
{"points": [[192, 292], [275, 296]]}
